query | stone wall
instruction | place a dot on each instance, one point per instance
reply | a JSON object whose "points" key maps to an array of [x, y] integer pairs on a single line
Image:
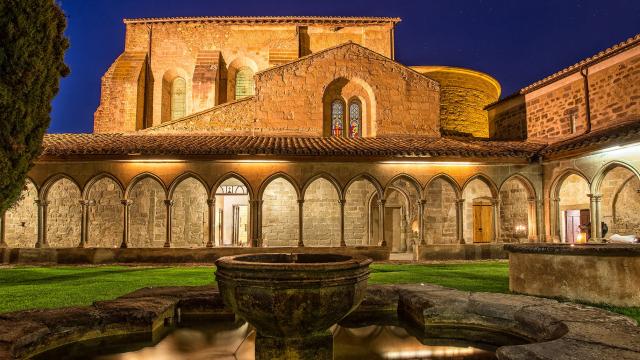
{"points": [[21, 220], [508, 119], [410, 202], [464, 94], [105, 214], [620, 204], [514, 212], [280, 214], [289, 98], [321, 223], [226, 119], [356, 211], [64, 214], [573, 193], [147, 214], [440, 213], [190, 215]]}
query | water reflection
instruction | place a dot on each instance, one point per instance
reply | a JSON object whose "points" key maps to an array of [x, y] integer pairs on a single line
{"points": [[236, 340]]}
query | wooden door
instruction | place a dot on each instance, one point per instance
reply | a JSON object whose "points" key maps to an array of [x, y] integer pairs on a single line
{"points": [[482, 223], [392, 218]]}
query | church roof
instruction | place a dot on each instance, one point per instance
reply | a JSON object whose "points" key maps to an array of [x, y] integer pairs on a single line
{"points": [[386, 148], [303, 20]]}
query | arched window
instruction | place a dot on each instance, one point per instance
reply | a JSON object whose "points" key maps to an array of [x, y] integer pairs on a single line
{"points": [[337, 118], [244, 83], [355, 119], [178, 98]]}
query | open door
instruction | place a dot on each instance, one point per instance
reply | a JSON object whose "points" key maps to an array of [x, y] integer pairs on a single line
{"points": [[392, 231], [482, 223]]}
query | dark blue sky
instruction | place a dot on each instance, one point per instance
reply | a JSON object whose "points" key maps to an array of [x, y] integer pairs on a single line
{"points": [[518, 42]]}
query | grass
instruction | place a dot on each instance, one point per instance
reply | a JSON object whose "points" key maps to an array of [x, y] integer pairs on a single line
{"points": [[50, 287]]}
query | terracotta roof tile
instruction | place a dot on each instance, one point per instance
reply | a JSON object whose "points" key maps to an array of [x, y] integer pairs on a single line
{"points": [[622, 132], [210, 145], [272, 19]]}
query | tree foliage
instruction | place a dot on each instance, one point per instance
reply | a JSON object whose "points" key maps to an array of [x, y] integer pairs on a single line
{"points": [[32, 46]]}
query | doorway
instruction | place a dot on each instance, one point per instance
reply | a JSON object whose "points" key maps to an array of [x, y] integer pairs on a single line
{"points": [[392, 227], [573, 220], [482, 223]]}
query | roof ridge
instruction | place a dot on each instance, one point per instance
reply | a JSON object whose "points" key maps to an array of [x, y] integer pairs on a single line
{"points": [[287, 18]]}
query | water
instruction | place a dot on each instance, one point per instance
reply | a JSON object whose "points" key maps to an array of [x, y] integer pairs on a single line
{"points": [[378, 338]]}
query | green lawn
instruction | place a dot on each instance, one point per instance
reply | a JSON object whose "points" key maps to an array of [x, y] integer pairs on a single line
{"points": [[47, 287]]}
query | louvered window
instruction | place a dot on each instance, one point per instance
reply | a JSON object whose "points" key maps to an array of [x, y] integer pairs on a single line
{"points": [[244, 83], [178, 98]]}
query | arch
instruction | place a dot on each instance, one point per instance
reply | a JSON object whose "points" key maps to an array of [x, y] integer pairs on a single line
{"points": [[365, 176], [185, 176], [326, 176], [273, 177], [21, 219], [345, 90], [230, 175], [357, 214], [560, 206], [141, 177], [105, 212], [338, 118], [447, 178], [44, 190], [147, 213], [484, 178], [190, 211], [413, 181], [64, 212], [596, 183], [398, 225], [280, 211], [175, 87], [554, 189], [321, 212], [354, 125], [518, 209], [234, 67], [100, 176]]}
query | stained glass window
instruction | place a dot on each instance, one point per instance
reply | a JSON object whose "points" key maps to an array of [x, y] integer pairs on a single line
{"points": [[355, 120], [244, 83], [178, 98], [337, 118]]}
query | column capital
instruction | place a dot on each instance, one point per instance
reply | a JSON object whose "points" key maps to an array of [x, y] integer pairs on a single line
{"points": [[595, 197], [211, 202], [381, 202], [300, 201], [460, 201], [342, 202], [169, 202], [126, 202], [422, 201], [256, 201], [84, 202], [43, 203]]}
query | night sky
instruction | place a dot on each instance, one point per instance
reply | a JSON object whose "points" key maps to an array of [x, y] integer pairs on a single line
{"points": [[518, 42]]}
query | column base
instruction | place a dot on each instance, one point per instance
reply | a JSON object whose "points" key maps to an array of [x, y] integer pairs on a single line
{"points": [[167, 245], [3, 245], [123, 246], [41, 246], [319, 347]]}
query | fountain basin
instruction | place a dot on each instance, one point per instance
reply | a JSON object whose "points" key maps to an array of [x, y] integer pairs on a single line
{"points": [[292, 295]]}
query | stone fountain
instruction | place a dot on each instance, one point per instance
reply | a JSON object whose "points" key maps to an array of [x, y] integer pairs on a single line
{"points": [[293, 299]]}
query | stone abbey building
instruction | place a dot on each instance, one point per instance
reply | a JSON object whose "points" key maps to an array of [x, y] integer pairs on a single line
{"points": [[304, 131]]}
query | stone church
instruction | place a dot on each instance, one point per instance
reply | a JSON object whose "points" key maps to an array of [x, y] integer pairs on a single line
{"points": [[248, 132]]}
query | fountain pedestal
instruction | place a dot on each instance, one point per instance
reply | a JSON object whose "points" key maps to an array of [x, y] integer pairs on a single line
{"points": [[292, 299]]}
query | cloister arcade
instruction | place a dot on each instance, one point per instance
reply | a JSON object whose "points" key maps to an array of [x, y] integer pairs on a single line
{"points": [[188, 213]]}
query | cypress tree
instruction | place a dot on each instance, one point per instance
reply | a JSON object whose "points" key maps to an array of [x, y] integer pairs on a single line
{"points": [[32, 46]]}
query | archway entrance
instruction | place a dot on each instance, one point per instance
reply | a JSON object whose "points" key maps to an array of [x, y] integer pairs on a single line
{"points": [[573, 206], [232, 213]]}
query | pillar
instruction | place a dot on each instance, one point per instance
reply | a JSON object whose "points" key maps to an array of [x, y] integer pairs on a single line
{"points": [[42, 223], [421, 222], [382, 239], [169, 207], [495, 205], [555, 222], [596, 226], [532, 215], [300, 218], [255, 226], [125, 228], [460, 220], [84, 222], [342, 202], [212, 223], [3, 222]]}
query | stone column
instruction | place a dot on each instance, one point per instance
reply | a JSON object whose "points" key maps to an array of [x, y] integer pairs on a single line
{"points": [[596, 227], [259, 239], [255, 228], [300, 217], [532, 215], [3, 221], [125, 229], [212, 223], [460, 220], [42, 223], [169, 205], [421, 222], [495, 204], [84, 222], [342, 202], [554, 219], [382, 239]]}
